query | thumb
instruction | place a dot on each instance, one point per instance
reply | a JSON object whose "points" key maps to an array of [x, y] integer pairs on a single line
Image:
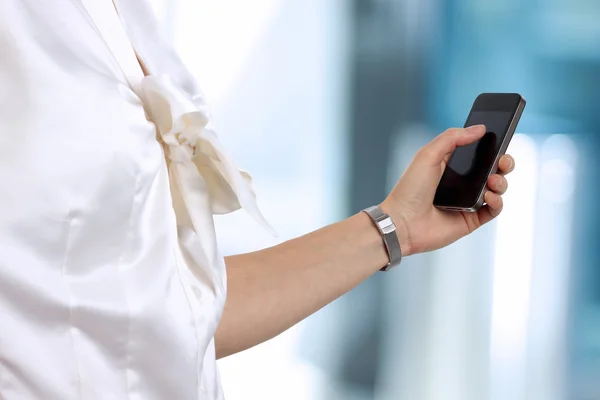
{"points": [[447, 142]]}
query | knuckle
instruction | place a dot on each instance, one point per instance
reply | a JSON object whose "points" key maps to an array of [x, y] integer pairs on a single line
{"points": [[454, 132], [426, 152], [494, 183], [499, 182]]}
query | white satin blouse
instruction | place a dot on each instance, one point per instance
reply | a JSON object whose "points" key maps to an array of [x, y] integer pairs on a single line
{"points": [[111, 282]]}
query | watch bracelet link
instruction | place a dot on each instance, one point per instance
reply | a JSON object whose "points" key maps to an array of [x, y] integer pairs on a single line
{"points": [[387, 229]]}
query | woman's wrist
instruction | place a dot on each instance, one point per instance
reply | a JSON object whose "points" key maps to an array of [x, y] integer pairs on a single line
{"points": [[402, 231]]}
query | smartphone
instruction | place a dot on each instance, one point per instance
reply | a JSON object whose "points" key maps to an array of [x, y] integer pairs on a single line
{"points": [[464, 180]]}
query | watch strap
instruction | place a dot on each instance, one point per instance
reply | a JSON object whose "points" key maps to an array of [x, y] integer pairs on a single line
{"points": [[386, 227]]}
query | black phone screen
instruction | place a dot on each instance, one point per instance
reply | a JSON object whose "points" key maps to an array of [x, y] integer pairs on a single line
{"points": [[469, 166]]}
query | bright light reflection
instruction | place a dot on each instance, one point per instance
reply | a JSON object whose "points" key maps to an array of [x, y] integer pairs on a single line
{"points": [[559, 157], [216, 38], [512, 273], [546, 346]]}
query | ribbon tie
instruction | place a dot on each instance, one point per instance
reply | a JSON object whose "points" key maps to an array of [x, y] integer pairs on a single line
{"points": [[197, 162]]}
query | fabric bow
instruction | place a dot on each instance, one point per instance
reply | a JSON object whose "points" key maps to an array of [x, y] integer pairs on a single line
{"points": [[197, 162]]}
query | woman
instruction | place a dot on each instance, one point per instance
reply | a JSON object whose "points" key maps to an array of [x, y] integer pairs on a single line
{"points": [[111, 283]]}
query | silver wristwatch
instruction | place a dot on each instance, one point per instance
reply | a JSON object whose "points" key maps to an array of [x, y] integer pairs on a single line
{"points": [[388, 232]]}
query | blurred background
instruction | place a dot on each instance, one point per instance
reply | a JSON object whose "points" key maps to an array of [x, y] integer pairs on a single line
{"points": [[326, 101]]}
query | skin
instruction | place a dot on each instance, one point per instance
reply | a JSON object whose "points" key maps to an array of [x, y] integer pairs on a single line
{"points": [[273, 289]]}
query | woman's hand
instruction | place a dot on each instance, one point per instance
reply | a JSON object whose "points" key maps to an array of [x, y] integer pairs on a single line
{"points": [[421, 226]]}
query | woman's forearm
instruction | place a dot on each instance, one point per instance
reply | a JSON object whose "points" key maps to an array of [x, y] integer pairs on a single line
{"points": [[273, 289]]}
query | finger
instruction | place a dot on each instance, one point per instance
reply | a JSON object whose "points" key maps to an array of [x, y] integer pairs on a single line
{"points": [[498, 184], [506, 165], [494, 202], [446, 142], [490, 211], [484, 215]]}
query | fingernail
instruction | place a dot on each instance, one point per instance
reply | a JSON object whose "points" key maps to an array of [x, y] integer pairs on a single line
{"points": [[475, 129]]}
